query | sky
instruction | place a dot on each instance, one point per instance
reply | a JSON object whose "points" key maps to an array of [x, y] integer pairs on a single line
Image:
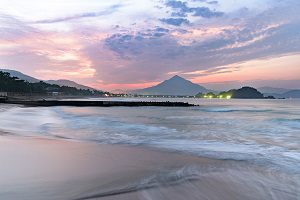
{"points": [[131, 44]]}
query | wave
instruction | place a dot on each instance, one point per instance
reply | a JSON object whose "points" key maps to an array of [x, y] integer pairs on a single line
{"points": [[197, 179], [213, 135], [232, 110], [27, 121], [163, 177], [291, 123]]}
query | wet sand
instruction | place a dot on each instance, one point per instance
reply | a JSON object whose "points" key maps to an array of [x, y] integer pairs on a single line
{"points": [[50, 169], [58, 169]]}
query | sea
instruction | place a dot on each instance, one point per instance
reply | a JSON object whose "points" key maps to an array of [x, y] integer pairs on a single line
{"points": [[258, 140]]}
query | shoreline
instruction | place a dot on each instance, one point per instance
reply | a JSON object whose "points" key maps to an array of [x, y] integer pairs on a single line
{"points": [[32, 165], [50, 169]]}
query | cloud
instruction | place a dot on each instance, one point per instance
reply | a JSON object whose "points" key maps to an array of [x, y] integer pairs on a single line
{"points": [[108, 11], [34, 52], [212, 2], [177, 4], [206, 12], [129, 46], [179, 14], [162, 30], [208, 2], [197, 11], [175, 21], [137, 47], [205, 56], [159, 34]]}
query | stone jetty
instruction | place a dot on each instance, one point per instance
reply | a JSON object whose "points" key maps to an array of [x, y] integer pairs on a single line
{"points": [[99, 103]]}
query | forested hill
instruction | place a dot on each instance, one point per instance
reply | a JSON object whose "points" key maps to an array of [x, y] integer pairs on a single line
{"points": [[14, 84]]}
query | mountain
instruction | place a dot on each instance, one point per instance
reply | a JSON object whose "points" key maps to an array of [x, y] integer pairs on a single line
{"points": [[69, 83], [57, 82], [20, 75], [174, 86], [273, 90], [280, 92], [292, 94], [276, 95], [288, 94], [247, 93]]}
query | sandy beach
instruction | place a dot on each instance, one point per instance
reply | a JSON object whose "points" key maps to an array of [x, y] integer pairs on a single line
{"points": [[57, 169], [60, 169]]}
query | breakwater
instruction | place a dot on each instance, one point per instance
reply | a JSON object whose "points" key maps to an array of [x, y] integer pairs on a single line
{"points": [[99, 103]]}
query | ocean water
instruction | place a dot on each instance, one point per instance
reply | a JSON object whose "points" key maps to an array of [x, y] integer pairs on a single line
{"points": [[262, 136]]}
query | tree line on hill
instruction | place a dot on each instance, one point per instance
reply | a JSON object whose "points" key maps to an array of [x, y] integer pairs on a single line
{"points": [[15, 85], [242, 93]]}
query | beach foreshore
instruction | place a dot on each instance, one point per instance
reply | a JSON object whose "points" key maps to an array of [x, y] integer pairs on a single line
{"points": [[55, 169], [38, 168]]}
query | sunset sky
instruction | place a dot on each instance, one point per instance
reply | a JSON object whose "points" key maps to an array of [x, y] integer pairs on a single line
{"points": [[129, 44]]}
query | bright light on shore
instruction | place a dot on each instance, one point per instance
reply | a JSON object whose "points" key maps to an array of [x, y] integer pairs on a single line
{"points": [[228, 97]]}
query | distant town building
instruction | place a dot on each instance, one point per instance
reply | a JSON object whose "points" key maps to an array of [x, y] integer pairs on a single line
{"points": [[3, 94]]}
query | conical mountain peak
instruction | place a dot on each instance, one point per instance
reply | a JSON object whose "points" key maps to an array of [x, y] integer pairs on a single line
{"points": [[176, 77], [173, 86]]}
